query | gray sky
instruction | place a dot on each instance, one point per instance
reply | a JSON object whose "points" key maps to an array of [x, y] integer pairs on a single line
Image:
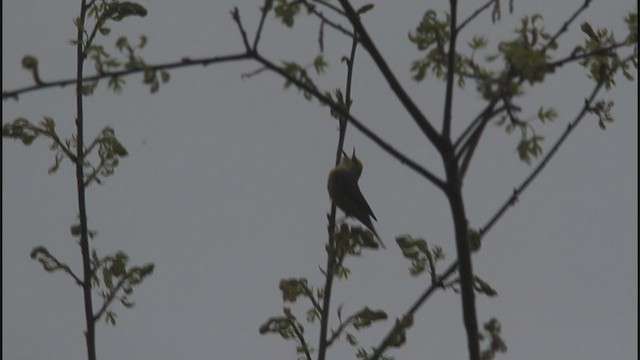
{"points": [[225, 191]]}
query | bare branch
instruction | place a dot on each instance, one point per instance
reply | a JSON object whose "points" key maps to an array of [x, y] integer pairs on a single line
{"points": [[265, 10], [235, 15], [313, 300], [327, 21], [330, 6], [469, 148], [451, 56], [565, 26], [474, 15]]}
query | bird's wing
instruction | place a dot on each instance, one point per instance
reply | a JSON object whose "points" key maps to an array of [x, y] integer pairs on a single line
{"points": [[363, 203], [346, 188]]}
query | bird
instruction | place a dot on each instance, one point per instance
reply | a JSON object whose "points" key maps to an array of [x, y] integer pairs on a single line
{"points": [[345, 192]]}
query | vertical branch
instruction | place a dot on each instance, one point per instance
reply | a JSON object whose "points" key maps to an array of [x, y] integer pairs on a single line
{"points": [[90, 333], [465, 268], [454, 195], [331, 258], [453, 35]]}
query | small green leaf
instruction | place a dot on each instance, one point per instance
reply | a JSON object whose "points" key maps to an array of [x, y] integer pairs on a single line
{"points": [[104, 30], [164, 75], [75, 230], [364, 9], [319, 64]]}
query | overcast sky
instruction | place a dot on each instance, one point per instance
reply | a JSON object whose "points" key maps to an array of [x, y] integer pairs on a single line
{"points": [[225, 191]]}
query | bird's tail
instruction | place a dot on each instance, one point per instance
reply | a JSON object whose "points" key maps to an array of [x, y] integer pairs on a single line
{"points": [[369, 224]]}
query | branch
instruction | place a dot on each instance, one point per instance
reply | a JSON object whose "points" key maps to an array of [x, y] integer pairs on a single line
{"points": [[300, 337], [94, 174], [185, 62], [414, 111], [326, 20], [474, 15], [606, 51], [454, 195], [90, 334], [565, 26], [331, 251], [451, 56], [42, 255], [469, 148], [494, 219], [570, 127], [379, 350], [462, 141], [62, 146], [313, 300], [101, 20], [330, 6], [340, 329], [110, 298], [265, 10]]}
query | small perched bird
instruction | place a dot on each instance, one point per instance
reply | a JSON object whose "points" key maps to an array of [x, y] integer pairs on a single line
{"points": [[345, 192]]}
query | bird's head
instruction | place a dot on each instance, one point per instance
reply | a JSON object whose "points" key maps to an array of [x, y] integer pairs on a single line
{"points": [[352, 164]]}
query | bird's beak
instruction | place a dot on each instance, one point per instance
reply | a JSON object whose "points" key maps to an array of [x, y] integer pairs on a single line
{"points": [[354, 153]]}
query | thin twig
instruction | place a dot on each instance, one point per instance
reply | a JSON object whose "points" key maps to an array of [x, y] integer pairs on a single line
{"points": [[110, 298], [235, 15], [300, 337], [185, 62], [462, 141], [565, 26], [606, 51], [340, 329], [313, 300], [451, 56], [326, 20], [330, 6], [331, 251], [66, 269], [470, 146], [265, 10], [474, 15], [62, 146]]}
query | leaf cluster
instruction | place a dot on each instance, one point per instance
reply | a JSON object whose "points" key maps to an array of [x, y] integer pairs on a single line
{"points": [[109, 149], [492, 330], [114, 279], [104, 62], [300, 73]]}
